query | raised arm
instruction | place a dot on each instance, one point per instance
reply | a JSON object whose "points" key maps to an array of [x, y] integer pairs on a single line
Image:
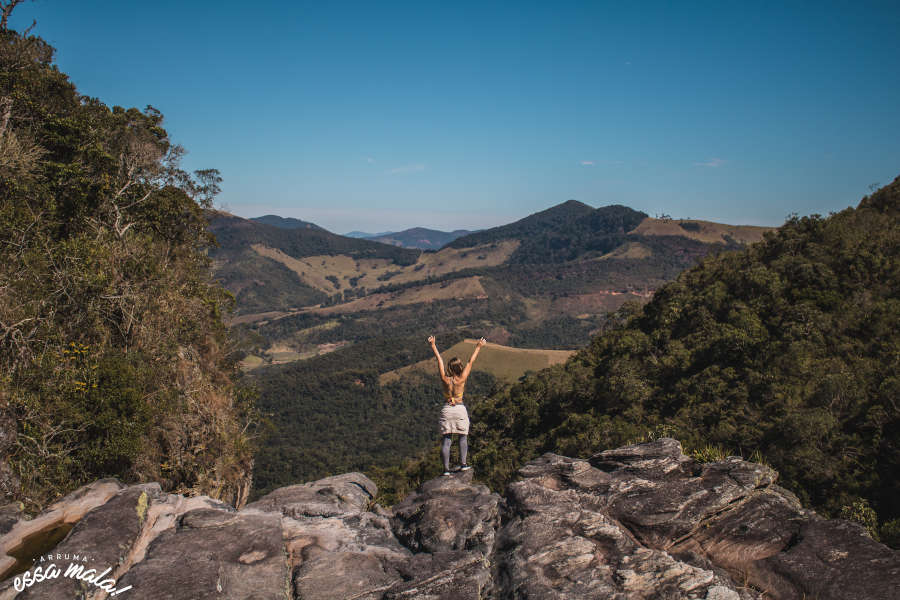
{"points": [[437, 355], [478, 346]]}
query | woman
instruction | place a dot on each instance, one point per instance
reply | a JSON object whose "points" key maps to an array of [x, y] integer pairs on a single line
{"points": [[454, 417]]}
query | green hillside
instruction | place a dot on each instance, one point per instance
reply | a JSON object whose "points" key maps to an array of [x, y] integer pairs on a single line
{"points": [[285, 222], [114, 360], [234, 232], [789, 349], [260, 283], [562, 233]]}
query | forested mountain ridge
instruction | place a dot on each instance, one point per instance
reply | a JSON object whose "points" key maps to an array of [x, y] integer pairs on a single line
{"points": [[233, 233], [337, 353], [569, 249], [419, 237], [245, 266], [114, 359], [789, 348], [285, 223], [565, 232]]}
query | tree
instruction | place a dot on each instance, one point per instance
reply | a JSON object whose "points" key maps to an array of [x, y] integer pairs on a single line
{"points": [[114, 356]]}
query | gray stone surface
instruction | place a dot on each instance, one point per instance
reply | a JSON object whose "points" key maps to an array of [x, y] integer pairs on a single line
{"points": [[448, 513], [213, 553], [641, 522], [340, 495], [560, 541], [125, 514]]}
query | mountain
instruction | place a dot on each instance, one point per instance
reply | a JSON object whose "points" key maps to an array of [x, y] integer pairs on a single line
{"points": [[632, 523], [559, 218], [787, 350], [285, 222], [365, 235], [321, 325], [235, 233], [253, 261], [419, 237], [567, 250]]}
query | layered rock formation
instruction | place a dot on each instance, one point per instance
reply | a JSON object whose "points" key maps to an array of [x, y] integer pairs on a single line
{"points": [[639, 522]]}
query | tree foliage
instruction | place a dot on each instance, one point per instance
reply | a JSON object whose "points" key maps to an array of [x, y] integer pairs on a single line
{"points": [[788, 349], [330, 414], [114, 356]]}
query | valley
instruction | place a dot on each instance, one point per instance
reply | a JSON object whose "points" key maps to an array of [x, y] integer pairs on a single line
{"points": [[332, 330]]}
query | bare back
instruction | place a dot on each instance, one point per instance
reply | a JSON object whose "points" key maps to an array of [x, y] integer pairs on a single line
{"points": [[453, 388], [454, 385]]}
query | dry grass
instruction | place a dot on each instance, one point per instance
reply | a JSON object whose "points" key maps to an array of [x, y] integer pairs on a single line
{"points": [[503, 362], [456, 289], [708, 232], [468, 287], [315, 270], [251, 361], [628, 250]]}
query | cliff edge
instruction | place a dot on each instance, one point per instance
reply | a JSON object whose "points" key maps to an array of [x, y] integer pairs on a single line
{"points": [[643, 521]]}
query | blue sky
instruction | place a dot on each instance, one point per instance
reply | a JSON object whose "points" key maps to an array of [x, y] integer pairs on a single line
{"points": [[387, 115]]}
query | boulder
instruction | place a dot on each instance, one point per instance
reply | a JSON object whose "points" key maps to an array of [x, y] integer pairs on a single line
{"points": [[560, 541], [342, 556], [91, 544], [335, 496], [213, 553], [448, 513], [732, 516], [639, 522]]}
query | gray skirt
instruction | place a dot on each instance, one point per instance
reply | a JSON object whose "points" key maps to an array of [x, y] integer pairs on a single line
{"points": [[454, 419]]}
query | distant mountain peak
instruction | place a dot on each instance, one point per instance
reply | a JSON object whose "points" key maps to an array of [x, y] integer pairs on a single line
{"points": [[285, 222], [419, 237]]}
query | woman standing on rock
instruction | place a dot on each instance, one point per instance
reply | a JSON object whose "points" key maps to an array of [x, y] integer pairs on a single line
{"points": [[454, 417]]}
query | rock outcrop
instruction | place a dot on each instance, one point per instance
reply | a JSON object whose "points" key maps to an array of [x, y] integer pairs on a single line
{"points": [[639, 522]]}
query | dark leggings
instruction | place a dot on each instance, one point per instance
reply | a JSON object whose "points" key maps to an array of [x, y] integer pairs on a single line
{"points": [[463, 449]]}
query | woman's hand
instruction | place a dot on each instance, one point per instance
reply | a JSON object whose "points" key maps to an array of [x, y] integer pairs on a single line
{"points": [[431, 340], [481, 342]]}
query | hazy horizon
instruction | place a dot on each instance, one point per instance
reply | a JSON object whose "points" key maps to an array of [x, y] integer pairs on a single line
{"points": [[448, 230]]}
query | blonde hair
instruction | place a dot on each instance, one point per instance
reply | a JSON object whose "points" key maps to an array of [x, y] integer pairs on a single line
{"points": [[455, 367]]}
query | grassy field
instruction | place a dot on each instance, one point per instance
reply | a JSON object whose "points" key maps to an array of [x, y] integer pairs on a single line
{"points": [[331, 274], [505, 363], [629, 250], [703, 231], [251, 361]]}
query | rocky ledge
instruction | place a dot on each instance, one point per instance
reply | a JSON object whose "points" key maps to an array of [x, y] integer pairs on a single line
{"points": [[638, 522]]}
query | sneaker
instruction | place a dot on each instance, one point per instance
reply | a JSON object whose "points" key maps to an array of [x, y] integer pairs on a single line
{"points": [[465, 468], [446, 473]]}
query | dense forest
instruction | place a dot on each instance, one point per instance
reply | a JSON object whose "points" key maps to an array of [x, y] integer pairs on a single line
{"points": [[787, 351], [329, 414], [115, 360]]}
